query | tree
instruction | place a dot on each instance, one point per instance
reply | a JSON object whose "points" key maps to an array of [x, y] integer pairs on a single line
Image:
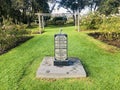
{"points": [[5, 6], [42, 6], [108, 7], [22, 10], [94, 4], [73, 6], [53, 4]]}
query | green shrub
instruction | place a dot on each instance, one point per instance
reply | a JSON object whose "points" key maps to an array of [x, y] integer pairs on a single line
{"points": [[59, 20], [101, 22], [92, 21], [111, 24]]}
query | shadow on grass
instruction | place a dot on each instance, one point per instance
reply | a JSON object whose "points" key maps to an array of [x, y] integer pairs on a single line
{"points": [[85, 68], [38, 32], [50, 26], [58, 26], [32, 26]]}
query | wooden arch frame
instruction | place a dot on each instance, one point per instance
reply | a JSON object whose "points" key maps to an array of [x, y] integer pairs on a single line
{"points": [[41, 19]]}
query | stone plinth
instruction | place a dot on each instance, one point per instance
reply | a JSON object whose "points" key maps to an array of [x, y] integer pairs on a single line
{"points": [[48, 70]]}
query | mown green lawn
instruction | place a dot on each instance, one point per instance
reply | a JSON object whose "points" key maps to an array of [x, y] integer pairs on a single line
{"points": [[102, 63]]}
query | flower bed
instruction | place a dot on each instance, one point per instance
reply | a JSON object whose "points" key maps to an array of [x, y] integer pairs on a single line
{"points": [[10, 38], [111, 38]]}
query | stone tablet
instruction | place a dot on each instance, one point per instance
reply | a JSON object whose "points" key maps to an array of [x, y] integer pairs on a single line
{"points": [[60, 47]]}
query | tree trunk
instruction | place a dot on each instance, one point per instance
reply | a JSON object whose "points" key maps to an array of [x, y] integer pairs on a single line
{"points": [[73, 19]]}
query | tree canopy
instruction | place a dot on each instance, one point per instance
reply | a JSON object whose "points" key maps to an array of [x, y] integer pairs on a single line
{"points": [[94, 4], [18, 9], [72, 5], [108, 7]]}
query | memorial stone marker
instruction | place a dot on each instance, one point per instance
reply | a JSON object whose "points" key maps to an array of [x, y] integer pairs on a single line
{"points": [[60, 47], [51, 66]]}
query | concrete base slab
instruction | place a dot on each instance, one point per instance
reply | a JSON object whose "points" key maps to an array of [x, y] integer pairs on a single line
{"points": [[48, 70]]}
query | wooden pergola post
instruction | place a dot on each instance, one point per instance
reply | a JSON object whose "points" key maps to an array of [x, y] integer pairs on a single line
{"points": [[39, 18], [75, 21], [78, 22], [42, 22]]}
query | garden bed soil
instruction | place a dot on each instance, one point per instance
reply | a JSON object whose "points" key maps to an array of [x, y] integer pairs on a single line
{"points": [[111, 38]]}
